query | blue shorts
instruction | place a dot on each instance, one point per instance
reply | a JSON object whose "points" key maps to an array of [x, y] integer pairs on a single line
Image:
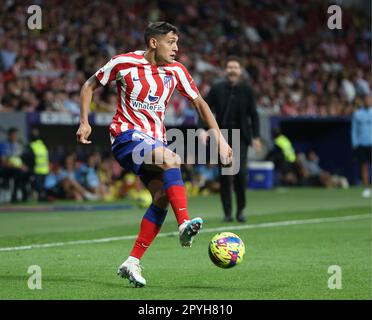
{"points": [[129, 149]]}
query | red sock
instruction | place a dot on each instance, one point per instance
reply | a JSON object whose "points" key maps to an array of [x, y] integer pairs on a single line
{"points": [[176, 192], [178, 200], [147, 234], [150, 227]]}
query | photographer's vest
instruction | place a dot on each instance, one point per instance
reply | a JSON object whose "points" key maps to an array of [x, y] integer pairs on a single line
{"points": [[286, 146], [41, 157]]}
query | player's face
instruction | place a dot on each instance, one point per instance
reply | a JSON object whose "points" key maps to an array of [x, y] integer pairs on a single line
{"points": [[233, 71], [166, 48]]}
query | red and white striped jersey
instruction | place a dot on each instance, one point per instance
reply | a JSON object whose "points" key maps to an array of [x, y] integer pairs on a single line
{"points": [[143, 92]]}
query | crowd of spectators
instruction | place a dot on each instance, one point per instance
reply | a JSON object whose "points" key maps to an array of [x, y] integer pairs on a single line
{"points": [[296, 65], [76, 177], [294, 168], [81, 177], [98, 176]]}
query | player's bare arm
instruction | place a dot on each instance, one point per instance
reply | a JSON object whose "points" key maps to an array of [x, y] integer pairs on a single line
{"points": [[86, 94], [206, 115]]}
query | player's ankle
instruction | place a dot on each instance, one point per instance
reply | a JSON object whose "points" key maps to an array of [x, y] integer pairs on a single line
{"points": [[133, 259], [180, 223]]}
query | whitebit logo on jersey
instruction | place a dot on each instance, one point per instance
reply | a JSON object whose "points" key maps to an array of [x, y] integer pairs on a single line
{"points": [[147, 106]]}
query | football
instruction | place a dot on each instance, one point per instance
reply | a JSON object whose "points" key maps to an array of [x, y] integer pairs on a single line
{"points": [[226, 250]]}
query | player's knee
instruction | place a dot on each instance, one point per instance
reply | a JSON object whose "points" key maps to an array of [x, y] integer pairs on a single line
{"points": [[172, 160]]}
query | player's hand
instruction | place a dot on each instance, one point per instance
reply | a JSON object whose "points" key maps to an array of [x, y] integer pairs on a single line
{"points": [[83, 133], [226, 154]]}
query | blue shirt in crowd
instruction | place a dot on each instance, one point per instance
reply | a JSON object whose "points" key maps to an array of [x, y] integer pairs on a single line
{"points": [[8, 149], [361, 128]]}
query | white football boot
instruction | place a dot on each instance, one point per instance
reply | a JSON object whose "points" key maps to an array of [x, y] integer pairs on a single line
{"points": [[188, 230], [131, 270]]}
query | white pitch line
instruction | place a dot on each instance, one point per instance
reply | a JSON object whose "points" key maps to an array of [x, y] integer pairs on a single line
{"points": [[161, 235]]}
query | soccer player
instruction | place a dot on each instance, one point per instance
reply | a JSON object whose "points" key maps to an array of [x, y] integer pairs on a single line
{"points": [[145, 81]]}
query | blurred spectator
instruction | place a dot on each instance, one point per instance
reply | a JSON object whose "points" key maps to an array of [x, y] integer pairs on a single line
{"points": [[36, 156], [12, 166], [106, 175], [72, 182], [289, 55], [207, 178], [54, 184], [361, 139], [72, 103], [88, 176], [284, 158], [312, 174], [92, 180]]}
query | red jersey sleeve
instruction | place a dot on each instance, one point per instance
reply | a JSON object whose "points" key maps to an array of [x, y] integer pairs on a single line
{"points": [[185, 83], [107, 73], [110, 71]]}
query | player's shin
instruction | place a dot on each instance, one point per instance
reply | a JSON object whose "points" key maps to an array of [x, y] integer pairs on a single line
{"points": [[150, 227], [176, 193]]}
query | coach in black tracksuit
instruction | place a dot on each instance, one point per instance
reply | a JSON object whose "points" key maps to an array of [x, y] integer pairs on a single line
{"points": [[234, 106]]}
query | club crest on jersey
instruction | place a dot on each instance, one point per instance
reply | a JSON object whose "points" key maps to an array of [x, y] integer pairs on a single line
{"points": [[168, 81]]}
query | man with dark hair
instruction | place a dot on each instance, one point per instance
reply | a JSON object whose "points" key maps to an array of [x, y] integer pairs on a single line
{"points": [[145, 81], [234, 106], [160, 28]]}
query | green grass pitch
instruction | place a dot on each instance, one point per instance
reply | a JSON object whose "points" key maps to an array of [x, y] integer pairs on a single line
{"points": [[292, 237]]}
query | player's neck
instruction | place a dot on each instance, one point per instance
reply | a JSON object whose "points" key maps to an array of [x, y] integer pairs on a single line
{"points": [[151, 58]]}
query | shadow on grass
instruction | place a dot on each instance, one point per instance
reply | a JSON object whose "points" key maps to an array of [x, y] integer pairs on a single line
{"points": [[120, 283], [65, 280]]}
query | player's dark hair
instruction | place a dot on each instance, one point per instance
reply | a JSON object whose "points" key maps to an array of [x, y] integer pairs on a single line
{"points": [[233, 58], [159, 28]]}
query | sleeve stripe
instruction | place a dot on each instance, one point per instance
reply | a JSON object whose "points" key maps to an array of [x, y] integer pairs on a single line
{"points": [[106, 72], [185, 83]]}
